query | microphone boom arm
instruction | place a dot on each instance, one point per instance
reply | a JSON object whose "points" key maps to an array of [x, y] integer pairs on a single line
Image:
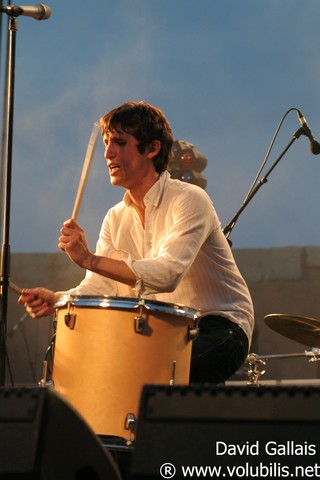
{"points": [[229, 227]]}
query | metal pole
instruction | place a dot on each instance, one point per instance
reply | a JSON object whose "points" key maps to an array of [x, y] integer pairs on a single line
{"points": [[5, 251]]}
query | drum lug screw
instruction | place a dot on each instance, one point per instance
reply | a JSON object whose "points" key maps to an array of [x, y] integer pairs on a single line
{"points": [[173, 373], [43, 382]]}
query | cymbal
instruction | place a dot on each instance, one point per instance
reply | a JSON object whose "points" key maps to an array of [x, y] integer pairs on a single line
{"points": [[303, 330]]}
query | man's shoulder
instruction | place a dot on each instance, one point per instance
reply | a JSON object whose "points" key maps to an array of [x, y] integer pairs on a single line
{"points": [[178, 187]]}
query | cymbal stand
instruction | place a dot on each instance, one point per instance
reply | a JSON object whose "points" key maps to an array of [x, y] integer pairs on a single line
{"points": [[254, 372], [314, 355], [228, 228], [256, 361]]}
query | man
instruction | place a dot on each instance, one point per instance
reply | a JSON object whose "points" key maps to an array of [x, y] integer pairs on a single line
{"points": [[162, 242]]}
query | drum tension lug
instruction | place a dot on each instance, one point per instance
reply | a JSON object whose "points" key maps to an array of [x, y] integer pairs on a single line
{"points": [[70, 320], [130, 422], [139, 323], [193, 332]]}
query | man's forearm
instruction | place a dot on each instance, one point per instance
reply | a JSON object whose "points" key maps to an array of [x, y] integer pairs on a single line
{"points": [[117, 270]]}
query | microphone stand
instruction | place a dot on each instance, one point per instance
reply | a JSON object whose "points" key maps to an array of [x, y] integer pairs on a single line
{"points": [[228, 228], [5, 251]]}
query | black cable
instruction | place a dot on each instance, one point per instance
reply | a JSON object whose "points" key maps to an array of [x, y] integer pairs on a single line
{"points": [[269, 151], [258, 182]]}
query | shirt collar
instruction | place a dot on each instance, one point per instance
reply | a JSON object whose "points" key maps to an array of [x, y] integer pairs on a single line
{"points": [[153, 196]]}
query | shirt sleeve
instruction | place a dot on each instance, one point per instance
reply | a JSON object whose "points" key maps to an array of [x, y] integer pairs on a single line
{"points": [[193, 219]]}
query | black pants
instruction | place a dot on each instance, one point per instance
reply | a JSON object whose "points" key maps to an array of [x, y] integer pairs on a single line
{"points": [[219, 350]]}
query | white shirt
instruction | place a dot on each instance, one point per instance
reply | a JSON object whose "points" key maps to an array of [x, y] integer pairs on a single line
{"points": [[181, 255]]}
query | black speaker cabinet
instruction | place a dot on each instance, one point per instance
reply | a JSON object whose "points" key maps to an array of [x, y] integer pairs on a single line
{"points": [[42, 437], [228, 432]]}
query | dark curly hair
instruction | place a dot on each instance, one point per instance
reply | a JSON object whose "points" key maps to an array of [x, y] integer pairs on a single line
{"points": [[146, 123]]}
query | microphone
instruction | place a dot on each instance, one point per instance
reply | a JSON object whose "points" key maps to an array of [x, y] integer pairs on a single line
{"points": [[314, 145], [38, 12]]}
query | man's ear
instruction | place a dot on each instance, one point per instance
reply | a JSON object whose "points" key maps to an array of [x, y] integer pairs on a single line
{"points": [[153, 149]]}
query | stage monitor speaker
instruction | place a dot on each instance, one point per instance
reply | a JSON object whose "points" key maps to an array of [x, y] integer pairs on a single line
{"points": [[42, 437], [227, 432]]}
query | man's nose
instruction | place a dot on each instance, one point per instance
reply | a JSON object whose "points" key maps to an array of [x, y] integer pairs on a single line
{"points": [[108, 152]]}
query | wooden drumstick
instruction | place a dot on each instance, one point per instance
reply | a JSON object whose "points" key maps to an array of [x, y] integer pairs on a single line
{"points": [[85, 169], [15, 288]]}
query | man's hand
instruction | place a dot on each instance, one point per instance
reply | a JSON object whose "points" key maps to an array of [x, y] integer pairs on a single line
{"points": [[39, 302], [74, 243]]}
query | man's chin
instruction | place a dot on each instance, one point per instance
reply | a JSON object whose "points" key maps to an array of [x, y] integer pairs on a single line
{"points": [[116, 182], [113, 180]]}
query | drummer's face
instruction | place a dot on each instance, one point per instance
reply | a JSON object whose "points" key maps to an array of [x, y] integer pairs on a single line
{"points": [[127, 166]]}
